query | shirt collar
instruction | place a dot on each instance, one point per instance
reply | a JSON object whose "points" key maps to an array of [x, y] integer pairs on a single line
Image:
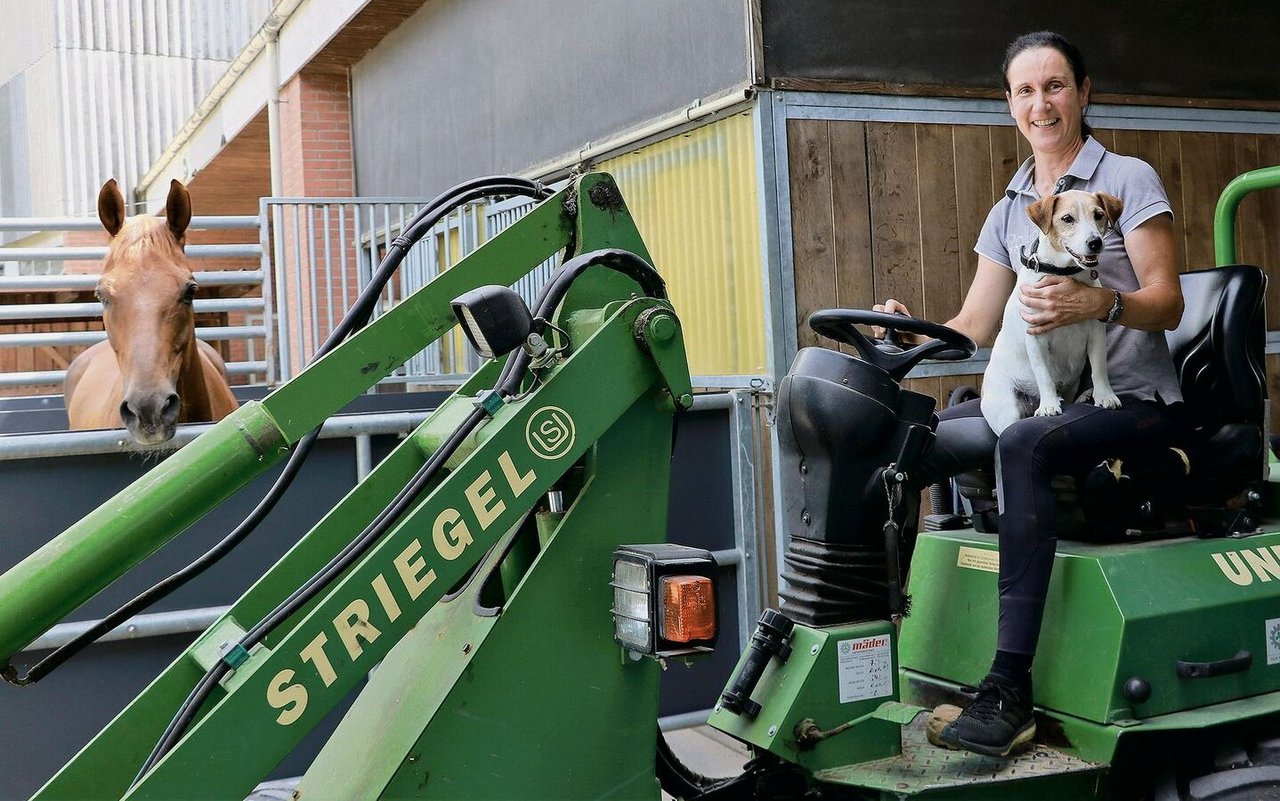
{"points": [[1082, 169]]}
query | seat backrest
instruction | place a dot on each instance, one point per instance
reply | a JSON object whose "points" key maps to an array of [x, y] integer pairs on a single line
{"points": [[1218, 348]]}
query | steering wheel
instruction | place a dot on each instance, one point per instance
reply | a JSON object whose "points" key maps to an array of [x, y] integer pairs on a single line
{"points": [[889, 354]]}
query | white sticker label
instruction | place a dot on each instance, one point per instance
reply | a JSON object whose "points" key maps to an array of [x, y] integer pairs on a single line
{"points": [[1273, 641], [866, 668]]}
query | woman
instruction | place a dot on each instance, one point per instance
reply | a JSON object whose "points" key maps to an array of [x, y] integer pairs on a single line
{"points": [[1047, 88]]}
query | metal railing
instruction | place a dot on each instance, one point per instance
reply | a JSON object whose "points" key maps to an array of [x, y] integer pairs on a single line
{"points": [[257, 310], [323, 252]]}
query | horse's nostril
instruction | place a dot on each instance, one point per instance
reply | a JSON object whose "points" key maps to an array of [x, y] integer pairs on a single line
{"points": [[172, 405], [127, 415]]}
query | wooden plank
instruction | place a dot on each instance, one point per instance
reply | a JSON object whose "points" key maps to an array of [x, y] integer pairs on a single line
{"points": [[809, 161], [1124, 143], [1004, 159], [1269, 209], [1200, 187], [1250, 230], [1169, 167], [851, 210], [939, 238], [972, 157], [895, 214], [1106, 137]]}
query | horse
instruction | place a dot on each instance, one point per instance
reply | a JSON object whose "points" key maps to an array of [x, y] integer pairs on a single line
{"points": [[151, 373]]}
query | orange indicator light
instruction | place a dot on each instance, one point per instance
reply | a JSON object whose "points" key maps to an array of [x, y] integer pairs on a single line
{"points": [[688, 608]]}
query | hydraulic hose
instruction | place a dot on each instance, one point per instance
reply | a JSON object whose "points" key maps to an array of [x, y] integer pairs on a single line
{"points": [[507, 384], [355, 319]]}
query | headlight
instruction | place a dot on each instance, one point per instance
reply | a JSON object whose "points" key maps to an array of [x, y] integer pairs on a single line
{"points": [[664, 599]]}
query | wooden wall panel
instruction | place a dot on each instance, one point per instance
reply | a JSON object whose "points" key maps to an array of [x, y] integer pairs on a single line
{"points": [[898, 207]]}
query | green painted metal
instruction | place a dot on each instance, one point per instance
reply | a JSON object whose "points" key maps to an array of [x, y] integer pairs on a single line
{"points": [[323, 650], [1115, 612], [1224, 216], [813, 685], [537, 697], [74, 566]]}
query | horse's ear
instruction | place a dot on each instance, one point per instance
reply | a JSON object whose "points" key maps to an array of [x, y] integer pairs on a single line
{"points": [[177, 209], [111, 207]]}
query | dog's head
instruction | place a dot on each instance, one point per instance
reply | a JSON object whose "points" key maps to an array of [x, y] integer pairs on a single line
{"points": [[1075, 222]]}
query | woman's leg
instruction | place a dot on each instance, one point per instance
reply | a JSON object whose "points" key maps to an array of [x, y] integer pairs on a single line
{"points": [[1030, 452], [964, 442]]}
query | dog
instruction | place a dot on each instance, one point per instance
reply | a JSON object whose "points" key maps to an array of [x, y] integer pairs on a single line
{"points": [[1028, 373]]}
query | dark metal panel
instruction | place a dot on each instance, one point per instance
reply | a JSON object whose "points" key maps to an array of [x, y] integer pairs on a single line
{"points": [[486, 86], [1178, 48]]}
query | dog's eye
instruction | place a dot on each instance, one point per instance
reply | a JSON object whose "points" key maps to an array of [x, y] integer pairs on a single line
{"points": [[1097, 215], [1068, 219]]}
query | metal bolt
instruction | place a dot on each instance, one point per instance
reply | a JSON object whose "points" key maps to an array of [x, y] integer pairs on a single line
{"points": [[806, 519], [1255, 496], [466, 649], [773, 730], [662, 327], [814, 649], [804, 468]]}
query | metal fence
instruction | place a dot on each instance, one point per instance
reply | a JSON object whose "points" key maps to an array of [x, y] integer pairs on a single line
{"points": [[258, 329], [323, 252]]}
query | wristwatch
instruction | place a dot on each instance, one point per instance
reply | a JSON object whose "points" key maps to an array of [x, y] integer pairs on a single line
{"points": [[1117, 308]]}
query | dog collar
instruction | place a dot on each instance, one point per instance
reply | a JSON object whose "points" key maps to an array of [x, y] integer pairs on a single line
{"points": [[1032, 262]]}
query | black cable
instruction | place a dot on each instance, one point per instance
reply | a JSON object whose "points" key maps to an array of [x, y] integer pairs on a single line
{"points": [[355, 319], [508, 384]]}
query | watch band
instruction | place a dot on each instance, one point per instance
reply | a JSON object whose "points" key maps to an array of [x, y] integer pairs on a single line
{"points": [[1117, 308]]}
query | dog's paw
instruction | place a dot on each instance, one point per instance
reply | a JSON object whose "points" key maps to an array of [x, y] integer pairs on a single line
{"points": [[1107, 400], [1049, 409]]}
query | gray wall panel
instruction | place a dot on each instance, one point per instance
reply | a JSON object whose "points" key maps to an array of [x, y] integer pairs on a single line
{"points": [[1177, 48], [467, 88]]}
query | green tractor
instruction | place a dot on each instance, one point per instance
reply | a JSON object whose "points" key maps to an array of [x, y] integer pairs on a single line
{"points": [[502, 582]]}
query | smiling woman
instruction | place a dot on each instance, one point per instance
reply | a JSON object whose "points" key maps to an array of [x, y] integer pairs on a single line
{"points": [[1047, 89]]}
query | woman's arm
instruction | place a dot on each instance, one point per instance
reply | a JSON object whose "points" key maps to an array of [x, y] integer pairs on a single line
{"points": [[979, 316], [1055, 301]]}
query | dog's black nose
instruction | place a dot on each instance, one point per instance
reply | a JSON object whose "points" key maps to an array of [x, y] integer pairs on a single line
{"points": [[1094, 244]]}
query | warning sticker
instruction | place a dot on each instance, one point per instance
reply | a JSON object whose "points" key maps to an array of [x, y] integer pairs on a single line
{"points": [[1273, 641], [978, 559], [866, 668]]}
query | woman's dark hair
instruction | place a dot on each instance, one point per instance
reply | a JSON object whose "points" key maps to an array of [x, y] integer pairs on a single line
{"points": [[1031, 41]]}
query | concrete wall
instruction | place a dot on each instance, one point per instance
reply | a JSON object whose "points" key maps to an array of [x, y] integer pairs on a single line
{"points": [[484, 86]]}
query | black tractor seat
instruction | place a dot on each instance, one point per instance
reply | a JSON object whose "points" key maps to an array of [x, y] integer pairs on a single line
{"points": [[1210, 484]]}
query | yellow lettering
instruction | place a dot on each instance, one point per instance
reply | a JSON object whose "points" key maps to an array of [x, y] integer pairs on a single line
{"points": [[292, 698], [388, 601], [353, 624], [1236, 571], [517, 482], [314, 653], [1263, 563], [481, 497], [413, 570], [447, 523]]}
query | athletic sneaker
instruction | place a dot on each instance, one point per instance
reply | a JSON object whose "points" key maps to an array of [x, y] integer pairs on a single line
{"points": [[1000, 719]]}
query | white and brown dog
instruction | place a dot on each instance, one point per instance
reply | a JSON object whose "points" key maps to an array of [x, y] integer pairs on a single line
{"points": [[1028, 373]]}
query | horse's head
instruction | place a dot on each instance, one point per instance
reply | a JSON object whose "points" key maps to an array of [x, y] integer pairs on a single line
{"points": [[147, 291]]}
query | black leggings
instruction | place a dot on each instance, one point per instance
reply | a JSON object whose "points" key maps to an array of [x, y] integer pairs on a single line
{"points": [[1027, 455]]}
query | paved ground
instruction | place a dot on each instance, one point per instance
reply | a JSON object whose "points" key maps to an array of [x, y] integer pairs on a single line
{"points": [[707, 751]]}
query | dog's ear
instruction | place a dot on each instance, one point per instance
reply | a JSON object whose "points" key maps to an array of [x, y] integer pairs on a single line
{"points": [[1111, 206], [1041, 212]]}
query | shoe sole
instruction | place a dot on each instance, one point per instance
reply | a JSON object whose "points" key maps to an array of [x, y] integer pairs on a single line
{"points": [[1025, 735]]}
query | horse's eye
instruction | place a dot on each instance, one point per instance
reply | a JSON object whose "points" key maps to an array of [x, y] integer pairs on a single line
{"points": [[1068, 219], [102, 298], [189, 295]]}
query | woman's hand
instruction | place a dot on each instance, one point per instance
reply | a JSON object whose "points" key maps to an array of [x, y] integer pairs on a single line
{"points": [[892, 306], [1056, 300]]}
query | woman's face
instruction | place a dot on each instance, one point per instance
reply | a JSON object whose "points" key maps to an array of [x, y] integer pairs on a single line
{"points": [[1045, 101]]}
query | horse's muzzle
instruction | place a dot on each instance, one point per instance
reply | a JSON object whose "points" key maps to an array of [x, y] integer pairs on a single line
{"points": [[151, 418]]}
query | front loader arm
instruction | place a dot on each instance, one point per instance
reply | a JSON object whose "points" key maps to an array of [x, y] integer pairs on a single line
{"points": [[313, 660]]}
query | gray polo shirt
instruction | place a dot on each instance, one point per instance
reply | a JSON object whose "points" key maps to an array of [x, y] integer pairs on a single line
{"points": [[1137, 361]]}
